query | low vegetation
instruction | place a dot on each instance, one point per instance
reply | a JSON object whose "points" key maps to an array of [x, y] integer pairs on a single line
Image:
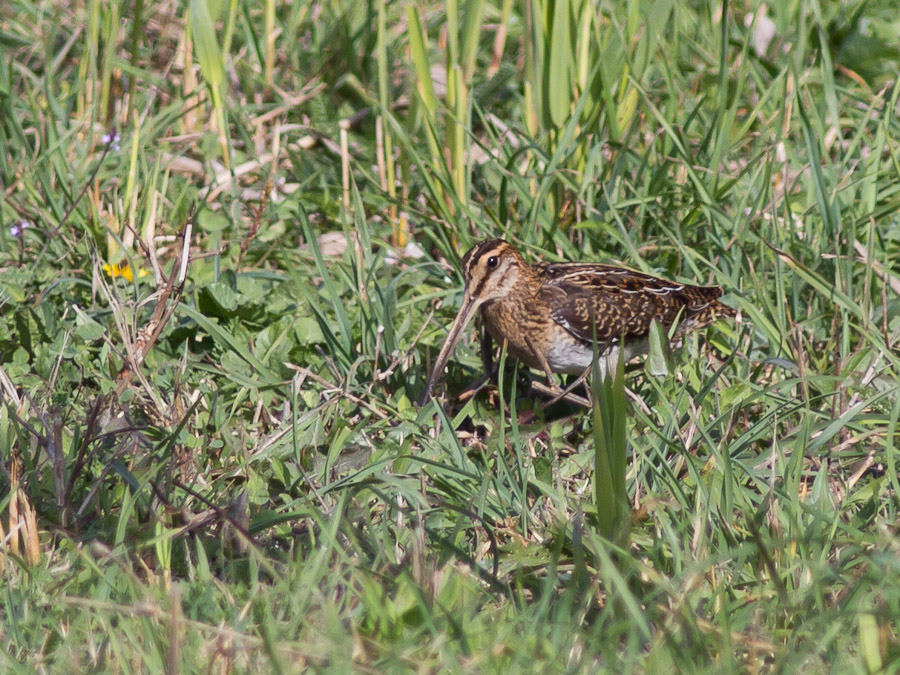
{"points": [[230, 247]]}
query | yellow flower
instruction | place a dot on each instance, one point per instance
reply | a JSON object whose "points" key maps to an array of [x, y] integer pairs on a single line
{"points": [[117, 270], [123, 270]]}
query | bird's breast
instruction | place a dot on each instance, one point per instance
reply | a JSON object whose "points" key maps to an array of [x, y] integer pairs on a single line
{"points": [[521, 324]]}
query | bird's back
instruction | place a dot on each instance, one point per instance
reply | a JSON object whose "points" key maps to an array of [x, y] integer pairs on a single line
{"points": [[606, 302]]}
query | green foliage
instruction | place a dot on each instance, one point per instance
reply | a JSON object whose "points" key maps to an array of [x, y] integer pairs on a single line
{"points": [[224, 470], [610, 448]]}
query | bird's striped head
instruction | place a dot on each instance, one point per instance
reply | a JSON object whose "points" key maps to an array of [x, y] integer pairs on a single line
{"points": [[491, 269]]}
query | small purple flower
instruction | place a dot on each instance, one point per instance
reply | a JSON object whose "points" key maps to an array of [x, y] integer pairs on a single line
{"points": [[19, 228], [112, 140]]}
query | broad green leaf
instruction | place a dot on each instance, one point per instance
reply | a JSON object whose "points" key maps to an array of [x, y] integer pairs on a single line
{"points": [[658, 357], [560, 72], [870, 641], [207, 48], [471, 34], [307, 331]]}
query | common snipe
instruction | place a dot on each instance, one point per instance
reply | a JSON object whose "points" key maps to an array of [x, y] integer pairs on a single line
{"points": [[550, 315]]}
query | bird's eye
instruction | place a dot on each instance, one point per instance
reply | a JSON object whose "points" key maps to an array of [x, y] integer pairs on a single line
{"points": [[492, 262]]}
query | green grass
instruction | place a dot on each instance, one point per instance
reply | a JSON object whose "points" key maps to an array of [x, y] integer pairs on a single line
{"points": [[225, 471]]}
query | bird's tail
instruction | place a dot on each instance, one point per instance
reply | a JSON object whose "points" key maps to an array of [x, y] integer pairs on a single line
{"points": [[700, 316]]}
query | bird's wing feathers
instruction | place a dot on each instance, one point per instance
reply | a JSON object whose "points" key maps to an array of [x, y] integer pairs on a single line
{"points": [[605, 303]]}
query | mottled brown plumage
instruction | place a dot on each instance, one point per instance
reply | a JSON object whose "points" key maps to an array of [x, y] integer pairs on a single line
{"points": [[550, 315]]}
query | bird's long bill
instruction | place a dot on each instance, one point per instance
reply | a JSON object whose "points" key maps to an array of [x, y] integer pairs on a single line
{"points": [[465, 314]]}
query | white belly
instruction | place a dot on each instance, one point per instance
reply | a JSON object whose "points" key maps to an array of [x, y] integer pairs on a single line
{"points": [[574, 359]]}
